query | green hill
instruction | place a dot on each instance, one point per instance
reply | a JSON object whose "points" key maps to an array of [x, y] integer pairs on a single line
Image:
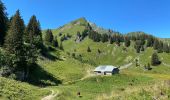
{"points": [[74, 68]]}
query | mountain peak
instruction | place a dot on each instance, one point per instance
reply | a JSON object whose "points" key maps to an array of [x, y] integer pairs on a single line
{"points": [[80, 21]]}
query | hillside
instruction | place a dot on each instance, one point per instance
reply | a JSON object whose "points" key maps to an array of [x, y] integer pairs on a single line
{"points": [[110, 54], [73, 69]]}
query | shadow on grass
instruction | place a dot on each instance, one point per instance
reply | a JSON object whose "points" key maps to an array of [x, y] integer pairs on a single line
{"points": [[46, 54], [40, 77]]}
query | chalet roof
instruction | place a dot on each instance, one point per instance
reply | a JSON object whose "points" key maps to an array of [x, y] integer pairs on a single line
{"points": [[105, 68]]}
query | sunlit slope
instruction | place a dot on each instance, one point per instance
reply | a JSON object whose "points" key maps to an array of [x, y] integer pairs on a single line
{"points": [[14, 90]]}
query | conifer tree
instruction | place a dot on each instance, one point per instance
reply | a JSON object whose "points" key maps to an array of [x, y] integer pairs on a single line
{"points": [[49, 36], [155, 59], [166, 48], [33, 34], [160, 49], [3, 23], [156, 44], [14, 44], [88, 49], [14, 38], [111, 40], [55, 42], [61, 46], [104, 38], [150, 41], [138, 46], [34, 44], [99, 51], [127, 42]]}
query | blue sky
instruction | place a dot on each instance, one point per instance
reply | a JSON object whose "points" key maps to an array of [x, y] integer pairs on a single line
{"points": [[151, 16]]}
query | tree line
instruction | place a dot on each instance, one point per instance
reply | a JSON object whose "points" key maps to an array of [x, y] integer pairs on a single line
{"points": [[21, 44], [141, 39]]}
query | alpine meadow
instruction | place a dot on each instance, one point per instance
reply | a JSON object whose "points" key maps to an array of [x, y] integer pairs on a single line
{"points": [[79, 60]]}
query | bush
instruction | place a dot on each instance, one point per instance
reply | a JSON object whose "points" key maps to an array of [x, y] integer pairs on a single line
{"points": [[88, 49]]}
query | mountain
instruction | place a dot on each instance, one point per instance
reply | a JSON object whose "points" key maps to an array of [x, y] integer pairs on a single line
{"points": [[73, 27], [74, 66], [98, 29]]}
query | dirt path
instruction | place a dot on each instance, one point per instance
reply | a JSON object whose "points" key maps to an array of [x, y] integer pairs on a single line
{"points": [[165, 64], [89, 74], [125, 66], [51, 96]]}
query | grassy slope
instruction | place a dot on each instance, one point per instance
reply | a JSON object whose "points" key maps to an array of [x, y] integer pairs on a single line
{"points": [[92, 87], [110, 54], [69, 70], [10, 89]]}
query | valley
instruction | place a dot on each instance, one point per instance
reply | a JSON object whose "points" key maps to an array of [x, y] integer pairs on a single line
{"points": [[58, 64]]}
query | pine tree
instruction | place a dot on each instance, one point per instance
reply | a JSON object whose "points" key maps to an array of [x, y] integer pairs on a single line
{"points": [[104, 38], [14, 44], [88, 49], [156, 44], [166, 48], [127, 42], [99, 51], [61, 46], [155, 59], [111, 40], [3, 23], [85, 33], [150, 41], [49, 37], [33, 34], [34, 43], [14, 38], [148, 67], [55, 42], [142, 41], [160, 49], [138, 46]]}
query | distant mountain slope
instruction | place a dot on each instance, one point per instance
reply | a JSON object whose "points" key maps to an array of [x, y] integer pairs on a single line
{"points": [[166, 40], [73, 27], [98, 29], [109, 53]]}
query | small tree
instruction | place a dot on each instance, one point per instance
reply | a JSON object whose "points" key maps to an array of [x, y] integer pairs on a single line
{"points": [[73, 55], [156, 44], [99, 51], [49, 36], [155, 59], [149, 66], [136, 60], [138, 48], [127, 42], [61, 46], [165, 48], [104, 38], [55, 42], [88, 49]]}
